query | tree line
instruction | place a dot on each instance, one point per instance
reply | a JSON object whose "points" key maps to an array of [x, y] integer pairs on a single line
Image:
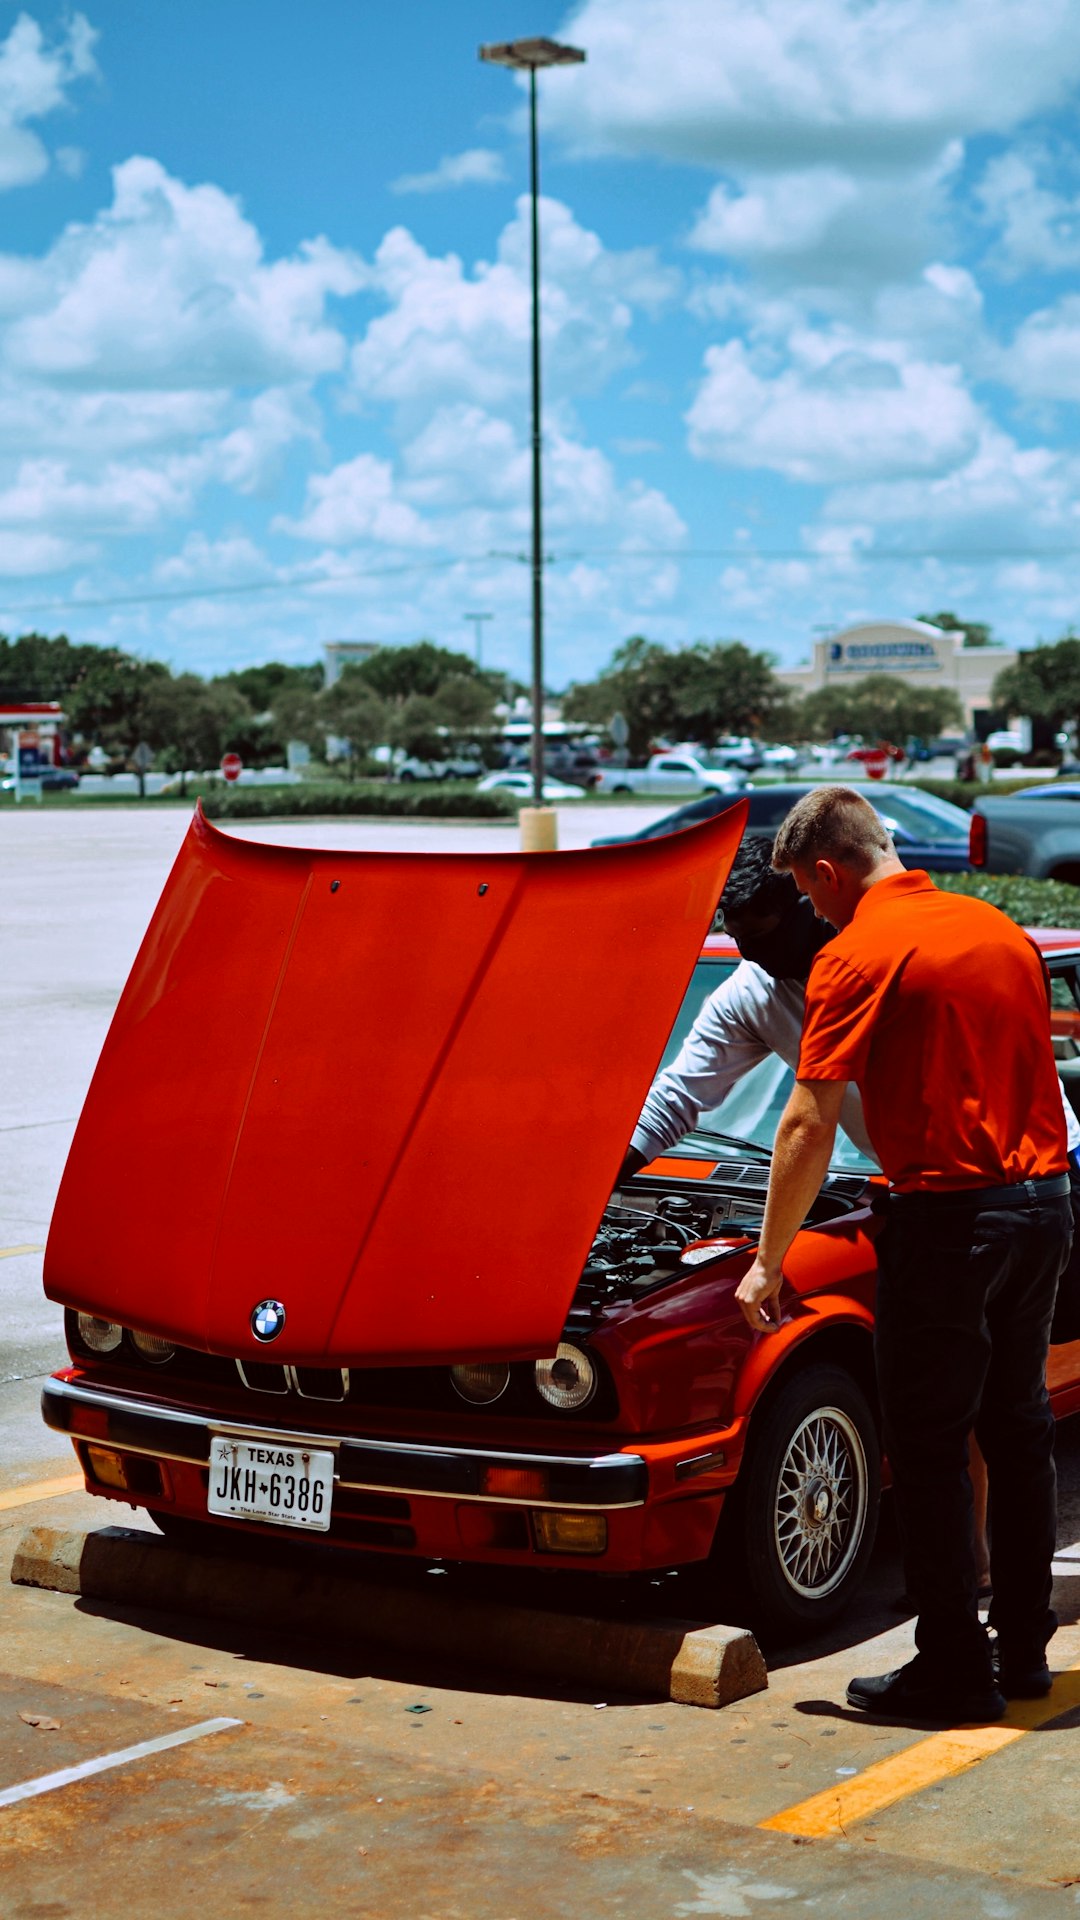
{"points": [[426, 700]]}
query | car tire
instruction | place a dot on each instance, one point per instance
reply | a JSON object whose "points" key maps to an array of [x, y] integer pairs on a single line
{"points": [[622, 789], [802, 1521]]}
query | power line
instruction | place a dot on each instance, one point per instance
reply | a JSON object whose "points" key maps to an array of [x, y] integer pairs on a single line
{"points": [[753, 556]]}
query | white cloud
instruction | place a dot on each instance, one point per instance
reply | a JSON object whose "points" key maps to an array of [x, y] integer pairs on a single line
{"points": [[169, 288], [23, 555], [477, 167], [35, 78], [783, 213], [786, 83], [356, 501], [840, 410], [119, 499], [450, 335], [214, 562], [1043, 361], [1039, 226]]}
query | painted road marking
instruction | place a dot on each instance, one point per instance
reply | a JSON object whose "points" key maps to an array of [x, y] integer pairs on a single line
{"points": [[48, 1782], [941, 1757], [42, 1490], [8, 1253]]}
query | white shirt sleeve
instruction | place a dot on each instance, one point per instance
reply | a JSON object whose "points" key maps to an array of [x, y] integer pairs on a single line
{"points": [[747, 1018]]}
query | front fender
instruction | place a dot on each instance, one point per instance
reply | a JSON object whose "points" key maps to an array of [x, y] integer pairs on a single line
{"points": [[772, 1351]]}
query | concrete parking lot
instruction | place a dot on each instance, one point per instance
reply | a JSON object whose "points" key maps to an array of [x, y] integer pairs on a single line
{"points": [[251, 1771]]}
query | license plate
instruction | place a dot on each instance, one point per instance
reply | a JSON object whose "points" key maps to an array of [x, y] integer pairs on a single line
{"points": [[262, 1480]]}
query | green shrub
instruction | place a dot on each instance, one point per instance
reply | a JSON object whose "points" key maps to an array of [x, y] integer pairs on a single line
{"points": [[443, 802], [963, 793], [1031, 903]]}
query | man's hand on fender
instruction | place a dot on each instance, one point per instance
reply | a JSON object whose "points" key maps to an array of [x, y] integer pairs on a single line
{"points": [[758, 1294]]}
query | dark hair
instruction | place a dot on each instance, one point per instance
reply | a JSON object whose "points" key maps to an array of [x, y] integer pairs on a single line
{"points": [[753, 884]]}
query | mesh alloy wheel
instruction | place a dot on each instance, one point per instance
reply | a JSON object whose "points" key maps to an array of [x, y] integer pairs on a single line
{"points": [[820, 1507]]}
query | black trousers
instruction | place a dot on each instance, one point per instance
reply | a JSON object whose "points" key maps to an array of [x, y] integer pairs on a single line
{"points": [[965, 1301]]}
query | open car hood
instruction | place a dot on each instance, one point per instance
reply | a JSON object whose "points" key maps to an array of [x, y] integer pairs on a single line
{"points": [[390, 1091]]}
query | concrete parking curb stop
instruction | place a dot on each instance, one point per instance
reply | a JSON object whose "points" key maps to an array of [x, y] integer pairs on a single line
{"points": [[695, 1666]]}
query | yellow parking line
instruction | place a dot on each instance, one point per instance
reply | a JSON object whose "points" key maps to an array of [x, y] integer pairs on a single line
{"points": [[41, 1490], [940, 1757], [8, 1253]]}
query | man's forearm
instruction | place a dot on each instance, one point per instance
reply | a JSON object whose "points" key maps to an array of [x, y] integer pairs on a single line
{"points": [[804, 1143], [801, 1155]]}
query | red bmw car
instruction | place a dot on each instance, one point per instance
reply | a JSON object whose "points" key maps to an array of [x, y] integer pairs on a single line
{"points": [[341, 1257]]}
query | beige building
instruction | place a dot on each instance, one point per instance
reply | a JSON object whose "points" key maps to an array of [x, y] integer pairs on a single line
{"points": [[909, 649]]}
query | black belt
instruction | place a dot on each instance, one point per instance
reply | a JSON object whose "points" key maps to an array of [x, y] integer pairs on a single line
{"points": [[1049, 1186]]}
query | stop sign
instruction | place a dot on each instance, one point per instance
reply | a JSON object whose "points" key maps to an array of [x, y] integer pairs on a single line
{"points": [[231, 765]]}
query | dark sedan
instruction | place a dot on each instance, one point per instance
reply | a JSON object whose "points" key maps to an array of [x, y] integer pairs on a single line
{"points": [[926, 831]]}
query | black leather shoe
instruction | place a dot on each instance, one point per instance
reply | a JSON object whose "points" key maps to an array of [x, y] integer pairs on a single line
{"points": [[908, 1693], [1022, 1679]]}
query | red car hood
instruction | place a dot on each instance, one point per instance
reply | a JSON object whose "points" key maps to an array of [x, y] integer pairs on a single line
{"points": [[390, 1091]]}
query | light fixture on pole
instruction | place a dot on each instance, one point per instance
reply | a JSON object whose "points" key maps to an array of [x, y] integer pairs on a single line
{"points": [[478, 620], [528, 56]]}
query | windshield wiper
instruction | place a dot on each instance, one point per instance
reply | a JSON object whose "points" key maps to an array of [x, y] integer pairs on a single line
{"points": [[759, 1153]]}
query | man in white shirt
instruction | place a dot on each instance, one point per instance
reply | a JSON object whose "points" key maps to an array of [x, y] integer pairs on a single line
{"points": [[757, 1011]]}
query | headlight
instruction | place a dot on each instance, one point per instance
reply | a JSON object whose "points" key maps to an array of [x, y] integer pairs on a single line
{"points": [[568, 1381], [101, 1336], [153, 1348], [480, 1384]]}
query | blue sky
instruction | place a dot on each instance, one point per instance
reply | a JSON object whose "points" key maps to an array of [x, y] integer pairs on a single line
{"points": [[811, 323]]}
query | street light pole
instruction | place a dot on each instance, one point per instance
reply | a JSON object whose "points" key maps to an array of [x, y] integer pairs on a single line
{"points": [[528, 55], [477, 620]]}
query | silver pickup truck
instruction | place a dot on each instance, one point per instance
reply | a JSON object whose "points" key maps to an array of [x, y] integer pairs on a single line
{"points": [[1036, 832]]}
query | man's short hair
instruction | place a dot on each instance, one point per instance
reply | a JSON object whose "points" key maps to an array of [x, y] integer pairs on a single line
{"points": [[754, 885], [831, 823]]}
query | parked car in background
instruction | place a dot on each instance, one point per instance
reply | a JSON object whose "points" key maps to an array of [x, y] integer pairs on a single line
{"points": [[671, 773], [458, 1343], [49, 778], [926, 831], [459, 767], [509, 780]]}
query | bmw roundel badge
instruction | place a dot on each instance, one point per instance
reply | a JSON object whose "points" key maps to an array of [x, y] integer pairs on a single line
{"points": [[267, 1319]]}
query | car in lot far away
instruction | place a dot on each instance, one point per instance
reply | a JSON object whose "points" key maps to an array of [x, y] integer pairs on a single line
{"points": [[392, 1301], [926, 831], [510, 780]]}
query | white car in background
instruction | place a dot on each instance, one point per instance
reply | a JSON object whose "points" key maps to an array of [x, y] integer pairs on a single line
{"points": [[509, 780]]}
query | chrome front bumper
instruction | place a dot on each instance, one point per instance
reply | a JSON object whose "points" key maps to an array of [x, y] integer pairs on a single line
{"points": [[591, 1481]]}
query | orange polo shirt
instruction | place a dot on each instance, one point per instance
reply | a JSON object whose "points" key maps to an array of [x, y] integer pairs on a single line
{"points": [[936, 1006]]}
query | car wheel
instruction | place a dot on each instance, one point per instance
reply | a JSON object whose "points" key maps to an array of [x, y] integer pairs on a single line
{"points": [[406, 774], [622, 789], [806, 1504]]}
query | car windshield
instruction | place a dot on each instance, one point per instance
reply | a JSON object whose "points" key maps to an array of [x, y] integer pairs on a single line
{"points": [[923, 816], [752, 1109]]}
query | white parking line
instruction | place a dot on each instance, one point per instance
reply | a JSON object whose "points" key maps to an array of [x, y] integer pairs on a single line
{"points": [[47, 1782]]}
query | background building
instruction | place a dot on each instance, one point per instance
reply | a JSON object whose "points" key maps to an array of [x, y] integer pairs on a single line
{"points": [[910, 650]]}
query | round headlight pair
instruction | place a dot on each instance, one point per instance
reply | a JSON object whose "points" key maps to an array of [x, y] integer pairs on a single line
{"points": [[568, 1381], [104, 1336]]}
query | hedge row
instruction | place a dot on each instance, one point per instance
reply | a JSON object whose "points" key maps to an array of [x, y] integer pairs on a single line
{"points": [[1031, 903], [382, 797], [962, 793]]}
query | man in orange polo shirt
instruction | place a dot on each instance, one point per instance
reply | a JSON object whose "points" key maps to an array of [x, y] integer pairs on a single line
{"points": [[936, 1006]]}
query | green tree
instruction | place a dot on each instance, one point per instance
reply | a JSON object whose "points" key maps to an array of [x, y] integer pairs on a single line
{"points": [[111, 695], [976, 633], [354, 713], [262, 687], [192, 724], [1044, 682], [395, 673], [699, 692], [879, 706]]}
